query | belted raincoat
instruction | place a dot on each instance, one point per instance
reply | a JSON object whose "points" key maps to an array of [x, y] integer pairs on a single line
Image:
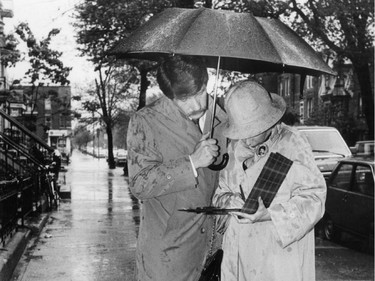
{"points": [[281, 249], [172, 245]]}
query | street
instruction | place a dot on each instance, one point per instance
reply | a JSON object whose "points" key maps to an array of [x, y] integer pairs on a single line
{"points": [[92, 236]]}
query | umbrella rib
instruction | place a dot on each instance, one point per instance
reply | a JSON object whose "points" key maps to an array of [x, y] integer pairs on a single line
{"points": [[269, 39], [196, 15]]}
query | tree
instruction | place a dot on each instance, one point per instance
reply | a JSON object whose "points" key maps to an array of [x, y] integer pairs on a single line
{"points": [[45, 64], [108, 104], [81, 137], [119, 94], [341, 29], [345, 29], [100, 25], [10, 55]]}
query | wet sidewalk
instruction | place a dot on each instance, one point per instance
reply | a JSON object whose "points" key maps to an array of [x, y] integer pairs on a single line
{"points": [[90, 237]]}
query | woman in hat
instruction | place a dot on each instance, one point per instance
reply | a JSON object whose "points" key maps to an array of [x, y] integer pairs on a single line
{"points": [[274, 243]]}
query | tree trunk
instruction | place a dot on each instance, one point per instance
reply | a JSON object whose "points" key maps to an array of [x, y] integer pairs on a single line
{"points": [[363, 73], [111, 159], [144, 85]]}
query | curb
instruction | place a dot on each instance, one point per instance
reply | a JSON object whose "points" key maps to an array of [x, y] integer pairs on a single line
{"points": [[16, 244]]}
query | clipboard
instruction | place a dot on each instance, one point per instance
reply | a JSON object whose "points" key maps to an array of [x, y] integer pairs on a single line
{"points": [[266, 186], [268, 183]]}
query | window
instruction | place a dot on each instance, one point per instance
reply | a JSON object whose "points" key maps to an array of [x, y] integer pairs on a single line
{"points": [[360, 107], [61, 143], [364, 180], [48, 121], [327, 80], [47, 104], [15, 112], [343, 177], [62, 121], [301, 112], [286, 86], [309, 82], [327, 140], [309, 107], [281, 88]]}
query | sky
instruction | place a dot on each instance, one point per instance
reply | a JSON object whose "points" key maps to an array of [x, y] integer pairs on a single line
{"points": [[42, 16]]}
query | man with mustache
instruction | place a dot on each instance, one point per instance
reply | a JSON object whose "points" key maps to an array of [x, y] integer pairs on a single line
{"points": [[169, 151]]}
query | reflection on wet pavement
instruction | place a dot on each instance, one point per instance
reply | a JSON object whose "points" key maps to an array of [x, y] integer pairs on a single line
{"points": [[93, 235]]}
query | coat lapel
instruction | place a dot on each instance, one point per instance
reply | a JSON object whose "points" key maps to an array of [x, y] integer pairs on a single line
{"points": [[220, 117]]}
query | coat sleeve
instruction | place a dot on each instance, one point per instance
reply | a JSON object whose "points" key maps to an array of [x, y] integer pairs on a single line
{"points": [[149, 174], [295, 217], [224, 192]]}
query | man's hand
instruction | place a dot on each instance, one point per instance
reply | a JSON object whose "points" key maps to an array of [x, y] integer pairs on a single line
{"points": [[261, 214], [205, 152]]}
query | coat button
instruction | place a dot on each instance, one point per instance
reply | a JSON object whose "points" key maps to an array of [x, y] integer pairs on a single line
{"points": [[203, 230]]}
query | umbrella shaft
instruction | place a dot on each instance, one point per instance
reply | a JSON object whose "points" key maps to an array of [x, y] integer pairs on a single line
{"points": [[215, 97]]}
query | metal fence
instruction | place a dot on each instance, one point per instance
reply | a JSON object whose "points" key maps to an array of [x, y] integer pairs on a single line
{"points": [[19, 198]]}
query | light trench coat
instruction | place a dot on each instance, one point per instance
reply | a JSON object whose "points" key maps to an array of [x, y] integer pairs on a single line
{"points": [[281, 249], [172, 245]]}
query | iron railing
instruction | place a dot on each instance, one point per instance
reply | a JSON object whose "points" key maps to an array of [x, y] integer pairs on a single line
{"points": [[24, 177]]}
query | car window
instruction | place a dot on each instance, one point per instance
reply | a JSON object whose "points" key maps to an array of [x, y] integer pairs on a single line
{"points": [[361, 148], [342, 177], [364, 180], [327, 141], [369, 148]]}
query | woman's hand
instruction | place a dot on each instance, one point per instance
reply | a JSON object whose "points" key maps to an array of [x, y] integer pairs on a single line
{"points": [[260, 215]]}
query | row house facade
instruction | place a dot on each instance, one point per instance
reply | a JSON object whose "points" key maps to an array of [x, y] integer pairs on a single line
{"points": [[47, 113], [326, 100], [44, 111], [25, 185]]}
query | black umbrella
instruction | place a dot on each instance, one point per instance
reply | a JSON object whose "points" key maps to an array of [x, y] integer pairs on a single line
{"points": [[244, 42], [228, 40]]}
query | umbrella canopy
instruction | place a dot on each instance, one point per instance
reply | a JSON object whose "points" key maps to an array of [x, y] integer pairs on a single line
{"points": [[244, 43]]}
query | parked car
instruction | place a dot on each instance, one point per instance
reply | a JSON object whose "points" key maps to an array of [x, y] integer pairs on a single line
{"points": [[327, 145], [363, 148], [121, 157], [350, 200]]}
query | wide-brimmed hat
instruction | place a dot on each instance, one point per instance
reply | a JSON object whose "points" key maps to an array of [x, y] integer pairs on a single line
{"points": [[251, 110]]}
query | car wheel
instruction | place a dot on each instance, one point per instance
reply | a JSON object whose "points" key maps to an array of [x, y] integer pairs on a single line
{"points": [[329, 230]]}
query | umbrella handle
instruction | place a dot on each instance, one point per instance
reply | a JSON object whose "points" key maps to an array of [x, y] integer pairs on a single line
{"points": [[222, 165]]}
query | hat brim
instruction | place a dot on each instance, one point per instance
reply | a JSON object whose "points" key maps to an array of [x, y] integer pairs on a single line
{"points": [[258, 125]]}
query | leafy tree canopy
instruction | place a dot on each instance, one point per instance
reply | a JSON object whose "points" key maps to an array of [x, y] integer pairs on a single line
{"points": [[46, 66], [10, 55], [342, 30], [100, 24]]}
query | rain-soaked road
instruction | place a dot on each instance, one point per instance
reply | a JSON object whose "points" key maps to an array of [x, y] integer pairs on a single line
{"points": [[92, 237]]}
